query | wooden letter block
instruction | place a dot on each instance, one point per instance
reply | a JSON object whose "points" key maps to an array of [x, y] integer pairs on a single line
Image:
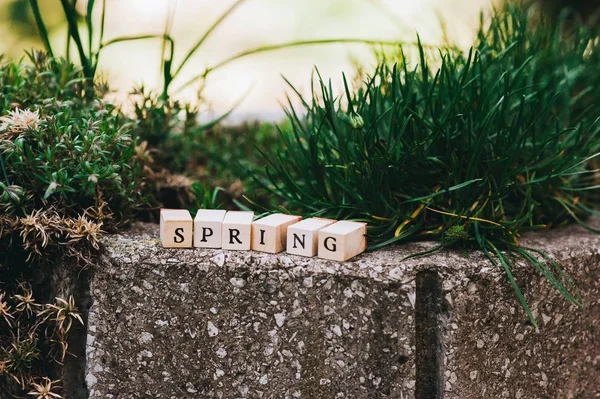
{"points": [[208, 228], [302, 237], [269, 233], [237, 230], [342, 240], [176, 228]]}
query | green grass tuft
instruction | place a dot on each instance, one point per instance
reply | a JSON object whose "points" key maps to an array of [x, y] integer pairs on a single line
{"points": [[470, 149]]}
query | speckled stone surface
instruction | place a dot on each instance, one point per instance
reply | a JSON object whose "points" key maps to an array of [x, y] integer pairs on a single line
{"points": [[174, 323], [493, 351], [194, 323]]}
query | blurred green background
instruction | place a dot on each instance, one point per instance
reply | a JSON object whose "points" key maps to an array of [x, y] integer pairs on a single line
{"points": [[257, 79]]}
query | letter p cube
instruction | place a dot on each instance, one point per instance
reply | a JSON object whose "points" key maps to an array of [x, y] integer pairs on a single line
{"points": [[208, 228]]}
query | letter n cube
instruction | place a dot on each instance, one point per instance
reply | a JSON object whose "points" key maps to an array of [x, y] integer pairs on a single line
{"points": [[342, 240], [176, 228], [302, 237]]}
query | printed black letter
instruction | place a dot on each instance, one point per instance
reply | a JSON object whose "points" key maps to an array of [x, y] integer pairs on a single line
{"points": [[206, 232], [262, 237], [178, 233], [333, 246], [233, 234], [301, 242]]}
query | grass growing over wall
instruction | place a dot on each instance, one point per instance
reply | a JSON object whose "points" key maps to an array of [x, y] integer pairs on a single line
{"points": [[469, 149]]}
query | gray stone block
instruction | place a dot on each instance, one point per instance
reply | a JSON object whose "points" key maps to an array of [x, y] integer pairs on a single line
{"points": [[493, 351], [194, 323], [179, 323]]}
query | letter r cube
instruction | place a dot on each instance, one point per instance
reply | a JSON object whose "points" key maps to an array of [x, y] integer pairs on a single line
{"points": [[237, 230]]}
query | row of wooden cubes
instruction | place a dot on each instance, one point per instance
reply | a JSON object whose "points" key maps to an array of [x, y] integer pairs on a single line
{"points": [[237, 230]]}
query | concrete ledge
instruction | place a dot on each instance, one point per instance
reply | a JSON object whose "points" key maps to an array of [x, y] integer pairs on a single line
{"points": [[493, 351], [194, 323]]}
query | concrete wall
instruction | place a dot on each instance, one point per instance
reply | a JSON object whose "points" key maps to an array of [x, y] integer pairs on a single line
{"points": [[194, 323]]}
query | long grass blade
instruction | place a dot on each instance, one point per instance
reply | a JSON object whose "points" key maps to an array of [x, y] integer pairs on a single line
{"points": [[71, 15], [207, 34], [39, 21], [506, 265], [275, 47]]}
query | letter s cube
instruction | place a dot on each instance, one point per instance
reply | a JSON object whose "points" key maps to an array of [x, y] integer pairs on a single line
{"points": [[176, 228]]}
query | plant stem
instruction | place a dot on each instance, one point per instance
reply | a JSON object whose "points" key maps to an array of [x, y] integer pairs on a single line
{"points": [[90, 28], [102, 23], [4, 169], [167, 62], [41, 26], [74, 32]]}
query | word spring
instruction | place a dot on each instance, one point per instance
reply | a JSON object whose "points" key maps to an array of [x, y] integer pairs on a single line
{"points": [[237, 230]]}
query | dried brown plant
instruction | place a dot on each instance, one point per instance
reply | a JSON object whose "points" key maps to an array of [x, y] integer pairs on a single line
{"points": [[45, 389]]}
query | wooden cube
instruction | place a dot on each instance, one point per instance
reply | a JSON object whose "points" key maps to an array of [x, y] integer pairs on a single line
{"points": [[342, 240], [208, 226], [176, 228], [237, 230], [269, 233], [302, 237]]}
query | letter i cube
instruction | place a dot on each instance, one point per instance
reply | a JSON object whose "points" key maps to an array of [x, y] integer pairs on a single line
{"points": [[176, 228], [208, 226], [269, 233], [302, 237], [342, 240], [237, 230]]}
